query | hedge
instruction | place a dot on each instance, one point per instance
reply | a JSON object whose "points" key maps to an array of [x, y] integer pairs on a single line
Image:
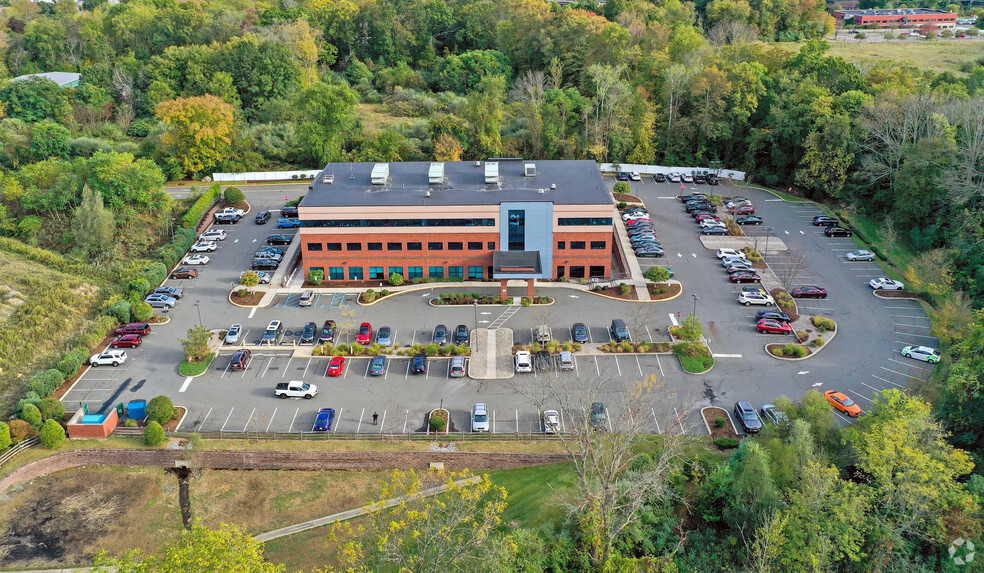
{"points": [[155, 273], [141, 311], [29, 398], [4, 436], [71, 362], [726, 443], [172, 252], [120, 311], [52, 409], [139, 286], [203, 204], [44, 383], [32, 415], [52, 435]]}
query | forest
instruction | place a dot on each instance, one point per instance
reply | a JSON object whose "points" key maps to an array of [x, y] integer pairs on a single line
{"points": [[177, 90]]}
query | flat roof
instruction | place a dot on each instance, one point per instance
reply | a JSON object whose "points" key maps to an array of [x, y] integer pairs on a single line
{"points": [[578, 182], [894, 12], [60, 78], [516, 263]]}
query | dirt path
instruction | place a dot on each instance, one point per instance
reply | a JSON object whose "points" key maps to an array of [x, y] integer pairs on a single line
{"points": [[261, 460]]}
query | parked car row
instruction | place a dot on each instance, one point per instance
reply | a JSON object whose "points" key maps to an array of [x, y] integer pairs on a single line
{"points": [[833, 228], [642, 233]]}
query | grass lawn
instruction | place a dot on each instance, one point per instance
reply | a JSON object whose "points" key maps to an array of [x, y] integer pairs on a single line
{"points": [[196, 368], [374, 117], [871, 232], [934, 55], [535, 493]]}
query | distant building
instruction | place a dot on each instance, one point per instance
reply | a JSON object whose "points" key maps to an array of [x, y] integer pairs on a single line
{"points": [[843, 5], [897, 18], [63, 79]]}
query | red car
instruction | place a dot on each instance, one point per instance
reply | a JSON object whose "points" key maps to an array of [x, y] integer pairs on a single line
{"points": [[744, 277], [336, 366], [141, 328], [840, 401], [774, 326], [632, 222], [706, 217], [743, 210], [808, 292], [365, 333], [127, 341]]}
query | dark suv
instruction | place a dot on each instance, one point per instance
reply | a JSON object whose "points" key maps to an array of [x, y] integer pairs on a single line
{"points": [[309, 333], [289, 212], [240, 360], [599, 417], [327, 332], [620, 333], [461, 335], [746, 415], [262, 217]]}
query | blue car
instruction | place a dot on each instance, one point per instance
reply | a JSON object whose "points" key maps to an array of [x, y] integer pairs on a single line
{"points": [[384, 336], [288, 223], [378, 367], [325, 417], [419, 364]]}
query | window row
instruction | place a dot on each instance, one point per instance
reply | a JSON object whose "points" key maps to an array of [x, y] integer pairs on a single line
{"points": [[579, 245], [383, 273], [412, 246], [399, 223], [571, 221]]}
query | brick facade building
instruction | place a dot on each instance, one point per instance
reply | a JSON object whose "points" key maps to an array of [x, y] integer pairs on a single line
{"points": [[495, 220], [897, 18]]}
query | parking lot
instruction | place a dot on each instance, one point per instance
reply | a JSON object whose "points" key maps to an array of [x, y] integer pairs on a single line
{"points": [[863, 358]]}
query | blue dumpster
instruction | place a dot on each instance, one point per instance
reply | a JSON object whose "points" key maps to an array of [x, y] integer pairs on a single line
{"points": [[136, 409]]}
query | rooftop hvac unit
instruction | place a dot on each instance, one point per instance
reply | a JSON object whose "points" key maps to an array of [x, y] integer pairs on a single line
{"points": [[491, 172], [435, 175], [380, 173], [530, 170]]}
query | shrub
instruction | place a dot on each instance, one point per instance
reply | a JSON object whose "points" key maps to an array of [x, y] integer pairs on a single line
{"points": [[622, 204], [777, 351], [44, 383], [20, 431], [316, 276], [795, 350], [120, 311], [438, 421], [52, 435], [658, 274], [384, 292], [234, 195], [525, 301], [131, 423], [720, 422], [155, 273], [140, 287], [154, 434], [396, 279], [30, 397], [52, 409], [141, 311], [802, 335], [432, 349], [818, 342], [160, 409], [203, 204], [625, 289], [71, 362], [726, 443], [823, 323], [626, 347], [356, 349], [4, 436]]}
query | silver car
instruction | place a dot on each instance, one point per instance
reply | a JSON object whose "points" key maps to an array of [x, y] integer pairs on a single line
{"points": [[233, 334]]}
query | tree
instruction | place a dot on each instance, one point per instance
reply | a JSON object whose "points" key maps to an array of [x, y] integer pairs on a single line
{"points": [[449, 531], [141, 311], [93, 227], [160, 409], [49, 139], [233, 195], [52, 435], [447, 148], [484, 111], [228, 549], [196, 345], [249, 279], [621, 187], [658, 274], [691, 330], [789, 269], [754, 495], [52, 409], [329, 111], [34, 99], [5, 440], [199, 129]]}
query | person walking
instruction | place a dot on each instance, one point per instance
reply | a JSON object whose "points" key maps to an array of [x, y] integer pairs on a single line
{"points": [[375, 417]]}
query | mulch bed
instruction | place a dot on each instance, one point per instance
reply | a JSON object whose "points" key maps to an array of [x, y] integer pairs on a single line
{"points": [[248, 300], [616, 292], [628, 198], [728, 431], [674, 290], [896, 294]]}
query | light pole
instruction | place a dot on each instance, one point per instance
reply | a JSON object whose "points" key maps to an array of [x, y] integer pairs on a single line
{"points": [[475, 306], [198, 306], [768, 233], [696, 298]]}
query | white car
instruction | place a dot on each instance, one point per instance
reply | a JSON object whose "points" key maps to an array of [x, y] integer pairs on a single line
{"points": [[674, 177], [480, 417], [214, 235], [232, 211], [749, 298], [924, 353], [688, 178], [204, 247], [860, 255], [233, 334], [722, 253], [635, 216], [114, 357], [634, 175], [196, 260], [884, 283], [264, 277], [551, 422], [712, 223], [524, 361]]}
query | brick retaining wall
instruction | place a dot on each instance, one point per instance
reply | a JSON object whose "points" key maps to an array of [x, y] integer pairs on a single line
{"points": [[261, 460]]}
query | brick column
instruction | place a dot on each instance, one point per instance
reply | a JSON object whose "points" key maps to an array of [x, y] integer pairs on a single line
{"points": [[503, 290], [530, 284]]}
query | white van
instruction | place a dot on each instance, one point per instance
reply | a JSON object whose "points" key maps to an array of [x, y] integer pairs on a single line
{"points": [[566, 360]]}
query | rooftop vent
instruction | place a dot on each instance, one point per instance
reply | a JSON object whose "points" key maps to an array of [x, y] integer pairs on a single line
{"points": [[553, 186], [380, 173], [328, 178], [530, 170], [435, 175], [491, 172]]}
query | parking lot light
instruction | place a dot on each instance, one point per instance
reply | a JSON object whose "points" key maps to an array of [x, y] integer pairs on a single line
{"points": [[199, 307], [696, 298], [768, 233], [475, 305]]}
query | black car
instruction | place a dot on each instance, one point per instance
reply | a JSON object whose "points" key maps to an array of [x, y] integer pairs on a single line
{"points": [[419, 364], [696, 209], [693, 197], [714, 231], [279, 239], [749, 220], [327, 332], [712, 179], [659, 178], [310, 331], [289, 212], [700, 178], [837, 232], [440, 334], [579, 332], [748, 417], [622, 176], [227, 218], [772, 315], [265, 264], [461, 335], [542, 361], [824, 221], [262, 217]]}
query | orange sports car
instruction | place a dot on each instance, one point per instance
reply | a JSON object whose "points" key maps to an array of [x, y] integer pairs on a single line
{"points": [[843, 403]]}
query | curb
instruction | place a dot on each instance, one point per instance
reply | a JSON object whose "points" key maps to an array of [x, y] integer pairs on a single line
{"points": [[181, 419], [166, 320], [811, 355], [431, 303], [214, 356], [877, 294], [243, 305], [698, 373], [726, 413], [678, 295]]}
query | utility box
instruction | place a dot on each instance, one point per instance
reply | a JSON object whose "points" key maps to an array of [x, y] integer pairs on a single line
{"points": [[435, 175], [530, 170], [491, 172], [380, 173]]}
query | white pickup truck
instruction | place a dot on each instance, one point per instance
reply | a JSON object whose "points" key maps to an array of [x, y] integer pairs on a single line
{"points": [[231, 211], [296, 389]]}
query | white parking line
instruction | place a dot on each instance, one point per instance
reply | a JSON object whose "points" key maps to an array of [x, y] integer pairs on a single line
{"points": [[658, 363], [306, 366], [405, 420], [187, 383], [649, 334], [907, 307], [639, 364], [886, 380], [338, 421], [366, 375], [576, 371], [616, 366], [252, 312], [291, 427], [910, 365], [272, 416], [358, 427], [909, 316], [867, 386], [267, 368], [597, 368], [899, 373], [209, 413], [842, 416], [916, 335], [287, 367], [248, 420], [655, 421], [227, 420], [912, 325]]}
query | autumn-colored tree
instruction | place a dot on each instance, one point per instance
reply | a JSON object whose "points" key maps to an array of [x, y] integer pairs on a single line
{"points": [[447, 148], [199, 130]]}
